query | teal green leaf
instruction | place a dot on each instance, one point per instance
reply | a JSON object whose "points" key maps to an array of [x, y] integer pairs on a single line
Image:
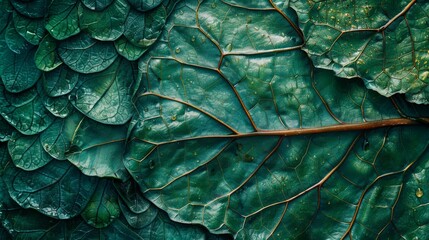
{"points": [[4, 161], [32, 30], [139, 220], [60, 81], [6, 130], [255, 142], [18, 71], [96, 149], [27, 152], [86, 55], [58, 190], [58, 106], [105, 96], [15, 41], [56, 138], [144, 5], [62, 20], [24, 111], [107, 24], [31, 9], [131, 196], [46, 56], [143, 29], [103, 207], [128, 50], [30, 224], [384, 43], [97, 5]]}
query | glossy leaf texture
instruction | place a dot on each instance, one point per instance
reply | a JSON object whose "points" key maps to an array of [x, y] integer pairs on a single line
{"points": [[383, 42], [217, 135], [208, 119]]}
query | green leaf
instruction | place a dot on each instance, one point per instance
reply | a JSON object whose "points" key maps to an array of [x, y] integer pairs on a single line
{"points": [[255, 142], [143, 29], [103, 208], [97, 5], [107, 24], [58, 190], [27, 152], [105, 96], [139, 220], [18, 71], [128, 50], [56, 138], [62, 20], [60, 81], [30, 224], [32, 30], [86, 55], [383, 43], [15, 41], [31, 9], [24, 111], [6, 130], [96, 149], [58, 106], [46, 57], [131, 196], [145, 5]]}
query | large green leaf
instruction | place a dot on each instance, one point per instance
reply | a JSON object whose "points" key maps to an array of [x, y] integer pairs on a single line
{"points": [[107, 24], [143, 29], [103, 208], [384, 42], [15, 41], [62, 19], [18, 71], [236, 130], [96, 149], [30, 224], [27, 152], [24, 111], [58, 189], [60, 81], [86, 55], [46, 56], [32, 30], [105, 96]]}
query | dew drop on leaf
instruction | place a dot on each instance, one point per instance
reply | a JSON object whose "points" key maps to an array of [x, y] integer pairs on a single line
{"points": [[178, 50], [151, 164], [173, 118], [229, 47], [419, 193], [193, 38]]}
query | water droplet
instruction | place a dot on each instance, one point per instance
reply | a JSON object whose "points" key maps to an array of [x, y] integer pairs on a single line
{"points": [[173, 118], [195, 153], [177, 50], [169, 76], [151, 164], [193, 39], [256, 28], [419, 193], [229, 47], [181, 12], [213, 5]]}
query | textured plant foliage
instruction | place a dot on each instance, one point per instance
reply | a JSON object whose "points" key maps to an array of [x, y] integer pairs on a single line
{"points": [[134, 119]]}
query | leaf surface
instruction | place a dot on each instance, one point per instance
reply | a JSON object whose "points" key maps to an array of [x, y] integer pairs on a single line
{"points": [[384, 43]]}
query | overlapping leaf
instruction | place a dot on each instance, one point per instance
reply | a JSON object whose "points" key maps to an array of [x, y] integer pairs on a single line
{"points": [[215, 114], [242, 168], [383, 42]]}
